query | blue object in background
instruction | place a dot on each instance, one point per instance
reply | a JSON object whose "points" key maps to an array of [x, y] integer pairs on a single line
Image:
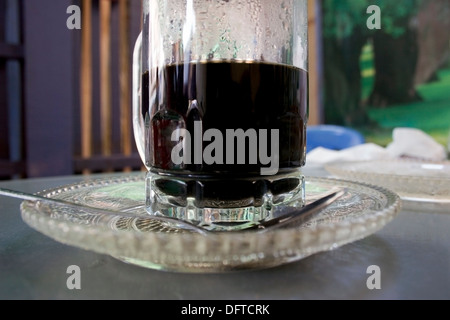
{"points": [[332, 137]]}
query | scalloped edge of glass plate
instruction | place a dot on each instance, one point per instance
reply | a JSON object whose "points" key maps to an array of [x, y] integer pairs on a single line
{"points": [[225, 252], [411, 201]]}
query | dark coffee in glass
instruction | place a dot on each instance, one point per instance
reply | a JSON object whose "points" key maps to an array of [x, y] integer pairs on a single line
{"points": [[224, 139]]}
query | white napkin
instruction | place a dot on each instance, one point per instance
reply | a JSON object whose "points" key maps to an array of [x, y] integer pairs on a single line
{"points": [[407, 142], [414, 143]]}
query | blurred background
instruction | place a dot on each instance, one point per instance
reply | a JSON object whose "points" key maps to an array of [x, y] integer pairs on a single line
{"points": [[65, 94], [398, 76]]}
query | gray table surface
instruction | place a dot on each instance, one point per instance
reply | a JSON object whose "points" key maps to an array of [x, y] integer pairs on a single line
{"points": [[412, 253]]}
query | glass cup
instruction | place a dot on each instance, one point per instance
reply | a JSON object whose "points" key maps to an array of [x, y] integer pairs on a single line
{"points": [[220, 108]]}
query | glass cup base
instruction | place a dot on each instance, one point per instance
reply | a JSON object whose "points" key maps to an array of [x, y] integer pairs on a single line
{"points": [[223, 203]]}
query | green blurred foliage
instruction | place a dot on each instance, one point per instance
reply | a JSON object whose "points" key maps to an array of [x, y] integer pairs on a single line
{"points": [[341, 17]]}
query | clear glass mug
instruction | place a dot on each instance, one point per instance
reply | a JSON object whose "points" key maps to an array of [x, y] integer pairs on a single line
{"points": [[220, 108]]}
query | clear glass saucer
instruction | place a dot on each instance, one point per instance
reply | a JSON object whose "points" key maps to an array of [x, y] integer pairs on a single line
{"points": [[422, 185], [362, 211]]}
